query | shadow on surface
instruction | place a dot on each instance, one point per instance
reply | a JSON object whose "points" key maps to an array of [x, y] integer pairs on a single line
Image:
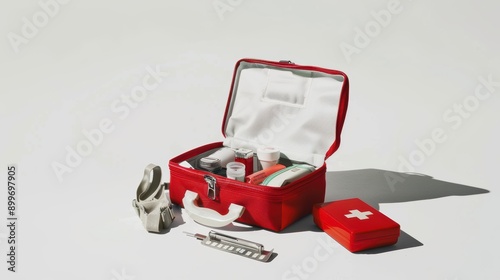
{"points": [[405, 241], [375, 186], [178, 220]]}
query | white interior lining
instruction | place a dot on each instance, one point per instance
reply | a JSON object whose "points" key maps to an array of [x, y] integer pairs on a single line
{"points": [[292, 110]]}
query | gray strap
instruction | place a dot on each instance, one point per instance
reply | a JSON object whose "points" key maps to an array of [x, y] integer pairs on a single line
{"points": [[151, 203]]}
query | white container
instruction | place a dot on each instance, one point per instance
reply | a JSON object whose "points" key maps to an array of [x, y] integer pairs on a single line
{"points": [[225, 155], [268, 156], [236, 171]]}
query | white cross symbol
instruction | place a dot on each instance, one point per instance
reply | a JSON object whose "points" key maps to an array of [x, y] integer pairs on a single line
{"points": [[360, 215]]}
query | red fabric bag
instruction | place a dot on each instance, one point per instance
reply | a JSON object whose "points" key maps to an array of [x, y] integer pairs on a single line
{"points": [[299, 110]]}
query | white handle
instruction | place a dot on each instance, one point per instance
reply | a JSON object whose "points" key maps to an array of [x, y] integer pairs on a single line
{"points": [[209, 217]]}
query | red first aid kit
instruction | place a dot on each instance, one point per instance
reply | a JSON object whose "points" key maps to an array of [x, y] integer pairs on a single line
{"points": [[298, 110], [355, 225]]}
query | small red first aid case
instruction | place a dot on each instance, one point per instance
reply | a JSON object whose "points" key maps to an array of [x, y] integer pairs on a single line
{"points": [[298, 110], [355, 224]]}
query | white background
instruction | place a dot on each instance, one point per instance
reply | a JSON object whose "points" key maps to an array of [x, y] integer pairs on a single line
{"points": [[410, 73]]}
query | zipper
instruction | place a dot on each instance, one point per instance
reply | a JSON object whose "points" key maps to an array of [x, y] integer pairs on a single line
{"points": [[289, 64], [271, 193]]}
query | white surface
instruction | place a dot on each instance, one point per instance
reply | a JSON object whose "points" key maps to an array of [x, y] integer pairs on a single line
{"points": [[408, 82]]}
